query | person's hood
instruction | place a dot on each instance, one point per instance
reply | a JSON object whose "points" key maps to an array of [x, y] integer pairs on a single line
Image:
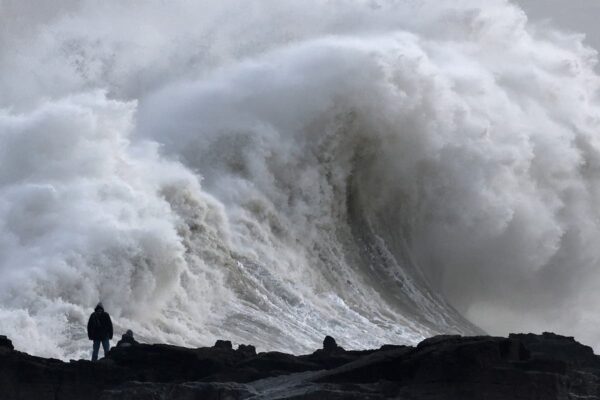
{"points": [[99, 307]]}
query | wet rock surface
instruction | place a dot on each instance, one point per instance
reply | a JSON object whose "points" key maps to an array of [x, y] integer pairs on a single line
{"points": [[522, 366]]}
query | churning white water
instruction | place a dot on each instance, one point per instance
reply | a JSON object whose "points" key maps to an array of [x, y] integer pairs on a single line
{"points": [[271, 171]]}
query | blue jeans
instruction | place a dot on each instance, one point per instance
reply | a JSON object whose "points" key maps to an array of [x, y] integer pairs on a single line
{"points": [[105, 347]]}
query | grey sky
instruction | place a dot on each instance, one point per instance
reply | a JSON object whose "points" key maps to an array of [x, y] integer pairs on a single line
{"points": [[576, 15]]}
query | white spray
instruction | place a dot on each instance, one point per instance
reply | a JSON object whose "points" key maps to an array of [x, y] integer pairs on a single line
{"points": [[272, 172]]}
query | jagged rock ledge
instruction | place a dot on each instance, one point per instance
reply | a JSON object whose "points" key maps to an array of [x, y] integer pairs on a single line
{"points": [[522, 366]]}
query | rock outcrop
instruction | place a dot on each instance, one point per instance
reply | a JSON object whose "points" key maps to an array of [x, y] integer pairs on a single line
{"points": [[522, 366], [6, 343]]}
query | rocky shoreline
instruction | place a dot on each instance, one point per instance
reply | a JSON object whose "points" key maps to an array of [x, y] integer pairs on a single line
{"points": [[522, 366]]}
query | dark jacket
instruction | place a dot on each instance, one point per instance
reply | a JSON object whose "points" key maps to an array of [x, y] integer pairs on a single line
{"points": [[99, 325], [127, 341]]}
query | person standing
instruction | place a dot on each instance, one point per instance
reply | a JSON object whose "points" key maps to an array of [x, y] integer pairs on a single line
{"points": [[100, 330]]}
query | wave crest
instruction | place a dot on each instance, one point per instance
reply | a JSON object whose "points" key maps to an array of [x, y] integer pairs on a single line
{"points": [[363, 170]]}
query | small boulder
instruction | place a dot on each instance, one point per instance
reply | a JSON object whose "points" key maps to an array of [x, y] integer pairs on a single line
{"points": [[330, 345], [6, 343], [223, 344], [246, 349]]}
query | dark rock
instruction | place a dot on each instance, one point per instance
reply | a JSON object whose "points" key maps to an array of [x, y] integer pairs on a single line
{"points": [[280, 363], [520, 367], [387, 347], [560, 348], [469, 368], [185, 390], [335, 358], [6, 343], [332, 355], [329, 344], [437, 340], [246, 349], [223, 344]]}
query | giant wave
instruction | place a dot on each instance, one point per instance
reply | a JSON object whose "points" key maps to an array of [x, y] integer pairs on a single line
{"points": [[272, 172]]}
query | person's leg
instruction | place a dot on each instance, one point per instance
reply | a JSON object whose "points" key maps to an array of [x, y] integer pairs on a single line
{"points": [[105, 346], [95, 349]]}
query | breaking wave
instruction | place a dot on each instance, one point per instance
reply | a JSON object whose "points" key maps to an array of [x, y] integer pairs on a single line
{"points": [[270, 172]]}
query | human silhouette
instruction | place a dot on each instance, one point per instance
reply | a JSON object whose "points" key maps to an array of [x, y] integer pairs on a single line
{"points": [[100, 330], [127, 339]]}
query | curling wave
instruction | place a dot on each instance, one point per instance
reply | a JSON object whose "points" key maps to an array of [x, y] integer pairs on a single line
{"points": [[379, 171]]}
